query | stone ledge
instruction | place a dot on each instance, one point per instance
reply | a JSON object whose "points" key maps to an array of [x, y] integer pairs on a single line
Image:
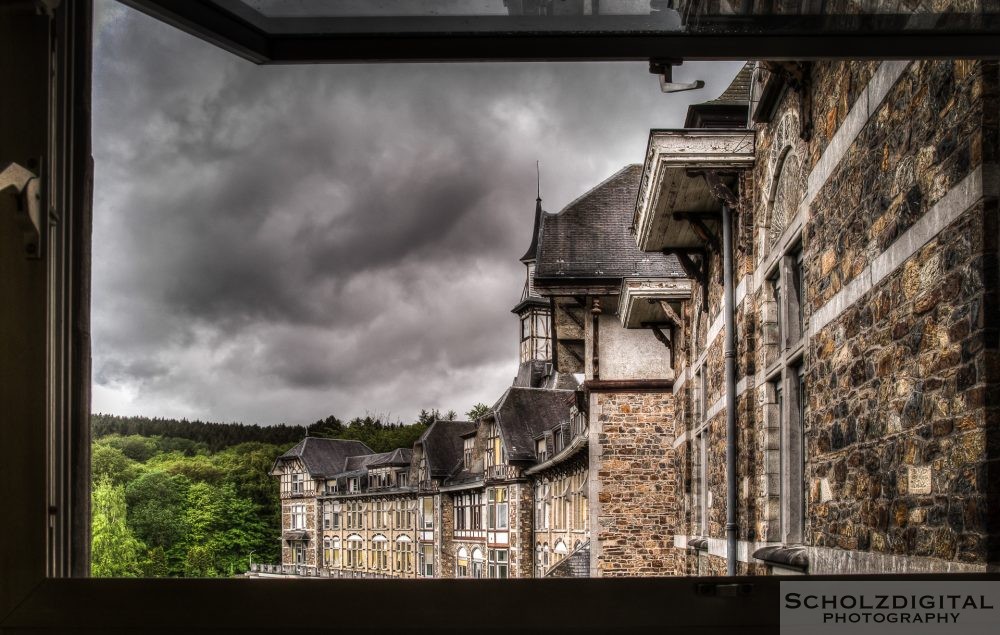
{"points": [[790, 557]]}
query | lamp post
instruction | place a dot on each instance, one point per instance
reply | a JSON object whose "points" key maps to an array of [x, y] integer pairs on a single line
{"points": [[251, 559]]}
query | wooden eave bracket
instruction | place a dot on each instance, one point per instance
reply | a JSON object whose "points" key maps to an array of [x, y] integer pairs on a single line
{"points": [[663, 338], [697, 271], [23, 186], [697, 222]]}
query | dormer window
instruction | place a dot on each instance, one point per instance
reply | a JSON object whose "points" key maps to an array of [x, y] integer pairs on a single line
{"points": [[352, 485], [402, 478], [541, 452], [467, 452], [296, 483], [495, 453]]}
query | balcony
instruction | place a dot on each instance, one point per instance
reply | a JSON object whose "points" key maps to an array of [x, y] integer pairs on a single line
{"points": [[306, 571], [673, 190], [502, 472]]}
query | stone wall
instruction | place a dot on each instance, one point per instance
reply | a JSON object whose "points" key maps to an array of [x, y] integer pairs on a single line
{"points": [[522, 549], [639, 505], [900, 422], [898, 425]]}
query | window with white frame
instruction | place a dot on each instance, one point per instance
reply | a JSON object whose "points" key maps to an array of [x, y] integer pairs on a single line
{"points": [[699, 456], [536, 339], [298, 516], [355, 552], [403, 561], [468, 445], [427, 512], [327, 551], [379, 553], [335, 516], [402, 478], [405, 511], [478, 562], [327, 515], [352, 485], [497, 507], [784, 410], [498, 563], [541, 450], [335, 551], [462, 563], [380, 515], [297, 483], [427, 560], [355, 515], [578, 484], [495, 453], [299, 549], [560, 503]]}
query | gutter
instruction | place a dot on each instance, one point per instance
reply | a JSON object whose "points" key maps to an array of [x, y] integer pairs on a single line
{"points": [[729, 345]]}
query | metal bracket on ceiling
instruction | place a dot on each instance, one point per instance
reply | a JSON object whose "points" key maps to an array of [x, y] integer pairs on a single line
{"points": [[23, 186], [664, 70], [798, 77]]}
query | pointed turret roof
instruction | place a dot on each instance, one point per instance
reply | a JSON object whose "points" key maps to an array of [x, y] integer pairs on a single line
{"points": [[529, 256]]}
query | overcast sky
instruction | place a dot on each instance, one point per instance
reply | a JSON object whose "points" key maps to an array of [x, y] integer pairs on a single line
{"points": [[278, 244]]}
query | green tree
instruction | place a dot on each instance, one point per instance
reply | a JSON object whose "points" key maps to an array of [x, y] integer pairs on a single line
{"points": [[115, 552], [200, 562], [478, 411], [111, 463], [155, 565], [155, 502]]}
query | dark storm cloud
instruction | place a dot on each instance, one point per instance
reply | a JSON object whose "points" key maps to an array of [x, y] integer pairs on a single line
{"points": [[280, 243]]}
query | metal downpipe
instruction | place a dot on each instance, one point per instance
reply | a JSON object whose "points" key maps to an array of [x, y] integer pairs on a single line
{"points": [[728, 296]]}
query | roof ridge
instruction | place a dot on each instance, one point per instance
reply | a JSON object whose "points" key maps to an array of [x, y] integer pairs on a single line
{"points": [[593, 189]]}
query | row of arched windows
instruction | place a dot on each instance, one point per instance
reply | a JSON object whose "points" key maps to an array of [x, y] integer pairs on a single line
{"points": [[469, 565]]}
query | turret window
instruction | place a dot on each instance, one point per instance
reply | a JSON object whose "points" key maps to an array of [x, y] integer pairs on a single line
{"points": [[536, 338]]}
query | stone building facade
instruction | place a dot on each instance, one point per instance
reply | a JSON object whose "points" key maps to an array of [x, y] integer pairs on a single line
{"points": [[863, 202]]}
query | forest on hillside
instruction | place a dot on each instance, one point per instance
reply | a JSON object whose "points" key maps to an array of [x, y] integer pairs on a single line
{"points": [[178, 498]]}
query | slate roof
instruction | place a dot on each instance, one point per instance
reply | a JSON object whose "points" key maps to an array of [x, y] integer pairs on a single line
{"points": [[399, 456], [738, 91], [524, 413], [442, 443], [325, 457], [728, 110], [356, 463], [575, 565], [591, 237]]}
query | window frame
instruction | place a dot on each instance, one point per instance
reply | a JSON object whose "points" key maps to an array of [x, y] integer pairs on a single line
{"points": [[45, 541]]}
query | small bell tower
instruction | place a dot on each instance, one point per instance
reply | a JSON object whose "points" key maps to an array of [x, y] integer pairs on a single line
{"points": [[533, 310]]}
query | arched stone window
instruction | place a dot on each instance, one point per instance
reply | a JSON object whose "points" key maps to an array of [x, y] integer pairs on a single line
{"points": [[786, 181], [478, 562], [462, 563], [355, 549], [335, 552], [403, 562]]}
